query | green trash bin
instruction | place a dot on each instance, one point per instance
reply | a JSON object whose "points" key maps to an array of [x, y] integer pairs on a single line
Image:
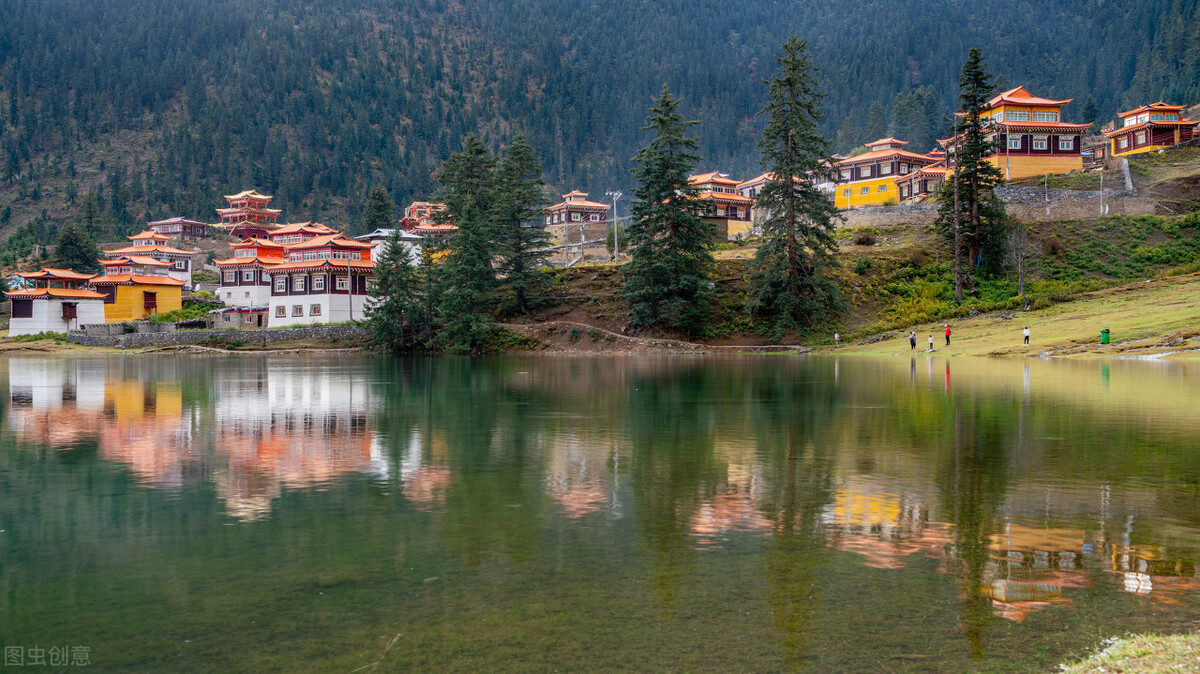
{"points": [[1104, 336]]}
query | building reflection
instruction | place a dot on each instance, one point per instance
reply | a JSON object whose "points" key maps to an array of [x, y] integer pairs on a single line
{"points": [[273, 429]]}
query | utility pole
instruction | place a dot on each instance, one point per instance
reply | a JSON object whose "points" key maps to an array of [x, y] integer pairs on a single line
{"points": [[616, 227]]}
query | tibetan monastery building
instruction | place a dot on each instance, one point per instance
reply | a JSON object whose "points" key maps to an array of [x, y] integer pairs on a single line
{"points": [[151, 245], [1029, 135], [719, 202], [575, 218], [57, 300], [247, 215], [324, 280], [1150, 127], [179, 227], [870, 179], [133, 297]]}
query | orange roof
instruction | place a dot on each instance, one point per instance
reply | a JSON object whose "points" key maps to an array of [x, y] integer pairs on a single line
{"points": [[715, 177], [255, 241], [574, 193], [135, 279], [174, 221], [149, 234], [1135, 127], [932, 170], [134, 250], [135, 259], [249, 209], [581, 203], [1152, 107], [247, 194], [880, 154], [1020, 96], [233, 261], [887, 141], [721, 196], [49, 273], [435, 229], [757, 179], [335, 239], [302, 227], [54, 293], [333, 264]]}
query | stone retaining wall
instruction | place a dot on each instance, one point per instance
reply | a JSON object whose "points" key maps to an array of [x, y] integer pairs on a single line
{"points": [[351, 334]]}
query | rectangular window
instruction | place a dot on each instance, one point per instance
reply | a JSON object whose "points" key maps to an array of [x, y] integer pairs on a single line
{"points": [[846, 193], [1039, 142], [865, 172], [310, 256], [1045, 116], [248, 276], [547, 219], [281, 284], [23, 308], [226, 316], [595, 217], [865, 190], [356, 256], [885, 169], [1017, 115], [281, 312], [314, 310], [1066, 144], [883, 188], [181, 265], [298, 284], [342, 283], [903, 168], [845, 174], [249, 319], [1141, 137], [574, 217], [1124, 142], [1014, 142], [297, 309], [318, 283], [230, 277]]}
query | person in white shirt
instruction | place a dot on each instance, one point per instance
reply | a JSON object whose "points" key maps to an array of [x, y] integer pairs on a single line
{"points": [[1026, 335]]}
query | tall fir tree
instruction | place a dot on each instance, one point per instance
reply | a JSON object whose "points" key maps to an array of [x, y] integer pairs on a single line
{"points": [[787, 284], [518, 189], [75, 250], [1090, 112], [378, 212], [395, 313], [666, 279], [877, 123], [467, 278], [970, 214]]}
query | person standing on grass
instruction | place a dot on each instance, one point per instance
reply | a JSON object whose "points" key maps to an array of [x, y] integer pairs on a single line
{"points": [[931, 341], [1026, 335], [912, 340], [947, 334], [837, 340]]}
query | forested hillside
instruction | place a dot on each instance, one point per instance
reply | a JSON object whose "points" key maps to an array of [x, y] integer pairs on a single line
{"points": [[117, 111]]}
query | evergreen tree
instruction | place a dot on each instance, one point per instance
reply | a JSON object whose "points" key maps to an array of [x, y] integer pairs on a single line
{"points": [[786, 282], [379, 212], [971, 215], [517, 220], [75, 250], [876, 122], [395, 312], [1090, 112], [666, 280], [467, 278]]}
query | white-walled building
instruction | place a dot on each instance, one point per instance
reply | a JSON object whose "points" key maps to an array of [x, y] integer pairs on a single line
{"points": [[324, 280], [152, 245], [59, 301]]}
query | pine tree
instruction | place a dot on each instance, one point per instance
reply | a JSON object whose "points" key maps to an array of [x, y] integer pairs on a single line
{"points": [[395, 311], [666, 280], [1090, 112], [75, 250], [876, 122], [517, 221], [786, 282], [467, 278], [970, 214], [379, 212]]}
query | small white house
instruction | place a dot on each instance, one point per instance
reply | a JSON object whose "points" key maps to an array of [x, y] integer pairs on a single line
{"points": [[382, 237], [56, 302]]}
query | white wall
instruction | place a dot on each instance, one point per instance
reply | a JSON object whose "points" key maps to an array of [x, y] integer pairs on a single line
{"points": [[245, 296], [334, 309], [47, 317]]}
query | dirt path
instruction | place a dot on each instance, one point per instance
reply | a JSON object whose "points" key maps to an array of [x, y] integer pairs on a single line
{"points": [[557, 338]]}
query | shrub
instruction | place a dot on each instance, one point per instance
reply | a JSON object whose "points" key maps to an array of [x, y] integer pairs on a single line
{"points": [[574, 334], [862, 266], [863, 239], [1055, 246]]}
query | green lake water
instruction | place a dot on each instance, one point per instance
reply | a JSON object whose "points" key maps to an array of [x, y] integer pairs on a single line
{"points": [[331, 513]]}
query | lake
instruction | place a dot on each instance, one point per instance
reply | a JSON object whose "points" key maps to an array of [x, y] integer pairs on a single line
{"points": [[337, 512]]}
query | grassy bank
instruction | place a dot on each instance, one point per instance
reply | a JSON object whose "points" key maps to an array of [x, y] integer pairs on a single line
{"points": [[1146, 653]]}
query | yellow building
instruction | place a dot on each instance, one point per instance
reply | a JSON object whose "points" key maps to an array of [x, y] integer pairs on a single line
{"points": [[1148, 128], [870, 179], [129, 297], [1029, 135]]}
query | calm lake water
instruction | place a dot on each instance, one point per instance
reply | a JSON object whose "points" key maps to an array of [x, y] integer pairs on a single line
{"points": [[744, 514]]}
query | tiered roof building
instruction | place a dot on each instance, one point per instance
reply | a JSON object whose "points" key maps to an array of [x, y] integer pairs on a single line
{"points": [[1150, 127]]}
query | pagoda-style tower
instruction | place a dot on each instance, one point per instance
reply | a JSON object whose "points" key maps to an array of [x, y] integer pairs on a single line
{"points": [[248, 215]]}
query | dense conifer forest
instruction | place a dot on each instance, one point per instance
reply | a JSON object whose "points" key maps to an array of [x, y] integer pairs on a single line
{"points": [[113, 112]]}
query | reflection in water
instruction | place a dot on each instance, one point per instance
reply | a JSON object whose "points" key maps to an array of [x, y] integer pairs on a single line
{"points": [[272, 427], [827, 499]]}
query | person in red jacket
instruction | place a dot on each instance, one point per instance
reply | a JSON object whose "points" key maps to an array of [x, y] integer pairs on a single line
{"points": [[947, 334]]}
